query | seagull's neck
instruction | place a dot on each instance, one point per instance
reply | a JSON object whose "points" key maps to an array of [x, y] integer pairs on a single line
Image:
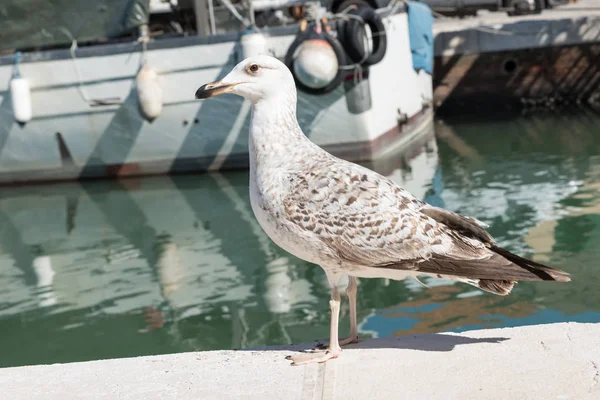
{"points": [[275, 135]]}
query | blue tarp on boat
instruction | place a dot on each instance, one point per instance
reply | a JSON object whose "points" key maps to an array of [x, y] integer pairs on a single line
{"points": [[420, 31]]}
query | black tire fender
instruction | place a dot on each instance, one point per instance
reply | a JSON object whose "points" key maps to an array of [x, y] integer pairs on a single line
{"points": [[354, 36]]}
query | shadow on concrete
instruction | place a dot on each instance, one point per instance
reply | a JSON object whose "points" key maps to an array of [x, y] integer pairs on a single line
{"points": [[427, 342]]}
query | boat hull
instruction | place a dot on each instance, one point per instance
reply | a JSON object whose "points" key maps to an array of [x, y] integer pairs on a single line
{"points": [[87, 124]]}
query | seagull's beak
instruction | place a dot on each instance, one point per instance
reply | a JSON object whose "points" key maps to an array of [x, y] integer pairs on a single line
{"points": [[214, 89]]}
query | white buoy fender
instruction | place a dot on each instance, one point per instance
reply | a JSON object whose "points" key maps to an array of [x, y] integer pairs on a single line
{"points": [[316, 64], [21, 99], [253, 44], [42, 266], [278, 294], [149, 92]]}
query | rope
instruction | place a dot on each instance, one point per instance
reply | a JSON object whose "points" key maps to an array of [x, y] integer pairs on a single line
{"points": [[211, 13], [235, 13], [16, 73], [80, 88]]}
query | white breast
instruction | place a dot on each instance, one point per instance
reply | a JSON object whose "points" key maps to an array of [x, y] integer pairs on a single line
{"points": [[261, 209], [266, 208], [272, 154]]}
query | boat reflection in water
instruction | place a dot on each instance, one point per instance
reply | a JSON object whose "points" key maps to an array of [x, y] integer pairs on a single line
{"points": [[146, 266], [169, 264]]}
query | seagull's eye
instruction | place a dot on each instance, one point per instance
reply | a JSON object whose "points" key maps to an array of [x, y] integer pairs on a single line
{"points": [[253, 68]]}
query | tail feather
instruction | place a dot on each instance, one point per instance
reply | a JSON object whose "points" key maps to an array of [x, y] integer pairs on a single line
{"points": [[543, 272], [495, 273]]}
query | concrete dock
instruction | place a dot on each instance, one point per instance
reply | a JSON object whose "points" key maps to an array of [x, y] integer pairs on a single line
{"points": [[556, 361], [494, 60], [497, 31]]}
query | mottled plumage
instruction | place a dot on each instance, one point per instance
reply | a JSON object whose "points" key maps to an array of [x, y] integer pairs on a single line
{"points": [[351, 220], [358, 221]]}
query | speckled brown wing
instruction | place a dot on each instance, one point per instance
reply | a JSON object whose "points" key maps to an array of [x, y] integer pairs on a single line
{"points": [[366, 219], [490, 267]]}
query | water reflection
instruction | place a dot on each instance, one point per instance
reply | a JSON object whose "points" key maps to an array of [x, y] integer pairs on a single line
{"points": [[148, 266]]}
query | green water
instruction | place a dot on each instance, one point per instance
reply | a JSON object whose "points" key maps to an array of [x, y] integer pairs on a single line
{"points": [[173, 264]]}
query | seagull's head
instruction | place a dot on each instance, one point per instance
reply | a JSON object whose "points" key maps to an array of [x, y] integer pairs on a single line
{"points": [[255, 78]]}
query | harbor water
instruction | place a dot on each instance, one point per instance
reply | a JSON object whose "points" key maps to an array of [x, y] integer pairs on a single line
{"points": [[105, 269]]}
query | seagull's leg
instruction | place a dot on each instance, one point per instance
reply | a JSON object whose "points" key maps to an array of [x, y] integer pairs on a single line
{"points": [[351, 291], [334, 349]]}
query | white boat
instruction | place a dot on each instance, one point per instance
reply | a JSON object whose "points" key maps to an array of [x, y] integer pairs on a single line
{"points": [[74, 112]]}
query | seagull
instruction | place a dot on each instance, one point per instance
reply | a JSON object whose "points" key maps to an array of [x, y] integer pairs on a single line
{"points": [[348, 219]]}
